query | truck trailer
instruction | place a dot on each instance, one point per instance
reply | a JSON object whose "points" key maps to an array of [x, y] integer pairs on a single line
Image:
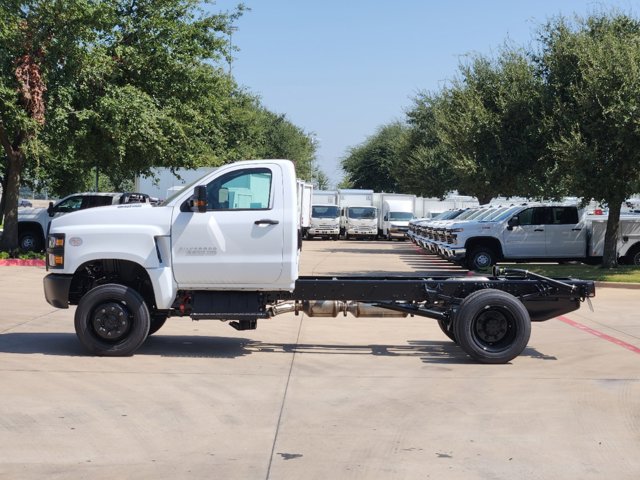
{"points": [[228, 249]]}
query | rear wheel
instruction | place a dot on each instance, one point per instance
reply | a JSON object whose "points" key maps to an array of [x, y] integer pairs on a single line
{"points": [[633, 257], [492, 326], [112, 320]]}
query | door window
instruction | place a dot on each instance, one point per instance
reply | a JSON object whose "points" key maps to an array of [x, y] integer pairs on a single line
{"points": [[69, 205], [563, 215], [241, 190]]}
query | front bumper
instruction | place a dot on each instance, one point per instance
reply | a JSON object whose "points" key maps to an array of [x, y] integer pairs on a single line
{"points": [[455, 254], [56, 289], [323, 231], [401, 232], [362, 231]]}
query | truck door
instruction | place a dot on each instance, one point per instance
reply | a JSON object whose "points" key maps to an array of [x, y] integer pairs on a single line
{"points": [[566, 236], [527, 239], [238, 241]]}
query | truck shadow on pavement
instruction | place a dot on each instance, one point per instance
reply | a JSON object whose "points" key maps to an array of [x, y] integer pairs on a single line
{"points": [[66, 344]]}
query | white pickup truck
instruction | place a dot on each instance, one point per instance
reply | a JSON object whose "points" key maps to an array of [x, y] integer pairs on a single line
{"points": [[537, 231], [228, 249], [33, 222]]}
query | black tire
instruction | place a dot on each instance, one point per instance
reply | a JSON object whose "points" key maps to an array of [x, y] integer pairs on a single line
{"points": [[112, 320], [481, 258], [157, 322], [492, 326], [633, 257], [335, 237], [30, 241], [445, 326]]}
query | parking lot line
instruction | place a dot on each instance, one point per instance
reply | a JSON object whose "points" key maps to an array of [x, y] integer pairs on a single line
{"points": [[599, 334]]}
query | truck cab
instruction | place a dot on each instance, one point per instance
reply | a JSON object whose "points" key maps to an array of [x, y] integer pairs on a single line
{"points": [[325, 222], [359, 222]]}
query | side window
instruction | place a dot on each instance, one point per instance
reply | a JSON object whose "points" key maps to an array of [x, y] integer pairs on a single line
{"points": [[248, 189], [563, 215], [97, 201], [526, 217], [69, 205]]}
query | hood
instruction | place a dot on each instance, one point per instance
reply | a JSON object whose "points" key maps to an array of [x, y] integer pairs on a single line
{"points": [[113, 217], [29, 213]]}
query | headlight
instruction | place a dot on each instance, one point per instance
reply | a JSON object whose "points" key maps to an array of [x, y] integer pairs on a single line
{"points": [[55, 250]]}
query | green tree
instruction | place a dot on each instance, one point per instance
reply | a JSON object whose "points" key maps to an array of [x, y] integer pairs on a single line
{"points": [[591, 68], [280, 138], [425, 167], [373, 164], [490, 123], [116, 85]]}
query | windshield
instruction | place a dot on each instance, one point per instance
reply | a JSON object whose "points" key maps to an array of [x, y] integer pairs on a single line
{"points": [[186, 187], [365, 213], [470, 214], [504, 213], [492, 214], [485, 213], [400, 216], [318, 211]]}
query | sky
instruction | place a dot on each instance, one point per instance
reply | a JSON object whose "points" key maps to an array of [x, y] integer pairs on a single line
{"points": [[340, 69]]}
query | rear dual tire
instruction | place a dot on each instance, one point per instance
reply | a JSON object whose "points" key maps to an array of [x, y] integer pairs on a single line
{"points": [[492, 326]]}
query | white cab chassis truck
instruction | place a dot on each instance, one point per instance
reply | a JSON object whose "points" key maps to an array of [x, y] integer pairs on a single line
{"points": [[228, 249]]}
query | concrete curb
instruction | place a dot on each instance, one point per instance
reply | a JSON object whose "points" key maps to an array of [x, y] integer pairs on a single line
{"points": [[31, 262]]}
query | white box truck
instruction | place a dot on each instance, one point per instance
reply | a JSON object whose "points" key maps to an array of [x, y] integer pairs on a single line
{"points": [[325, 215], [396, 211], [305, 198], [358, 215]]}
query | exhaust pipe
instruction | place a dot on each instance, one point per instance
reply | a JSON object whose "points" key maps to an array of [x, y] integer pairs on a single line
{"points": [[332, 308]]}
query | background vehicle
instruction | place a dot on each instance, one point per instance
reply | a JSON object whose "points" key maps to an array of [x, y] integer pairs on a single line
{"points": [[325, 222], [396, 211], [546, 232], [358, 215], [33, 223]]}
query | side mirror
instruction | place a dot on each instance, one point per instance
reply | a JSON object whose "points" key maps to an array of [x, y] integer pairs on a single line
{"points": [[199, 202], [50, 209], [513, 222], [386, 218]]}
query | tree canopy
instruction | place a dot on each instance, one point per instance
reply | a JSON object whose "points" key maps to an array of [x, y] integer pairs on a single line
{"points": [[559, 119], [118, 87]]}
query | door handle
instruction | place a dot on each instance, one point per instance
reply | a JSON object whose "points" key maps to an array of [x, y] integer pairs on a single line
{"points": [[576, 229], [539, 230], [266, 221]]}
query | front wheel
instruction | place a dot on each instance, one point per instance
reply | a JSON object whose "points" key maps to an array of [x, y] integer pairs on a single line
{"points": [[112, 320], [492, 326], [481, 258], [30, 241]]}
